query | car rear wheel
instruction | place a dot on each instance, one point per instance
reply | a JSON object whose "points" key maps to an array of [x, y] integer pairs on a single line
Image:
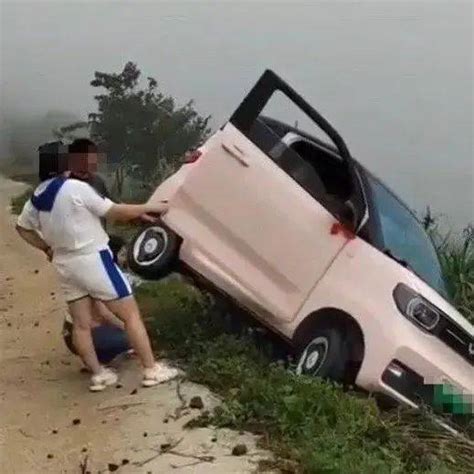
{"points": [[153, 252], [324, 355]]}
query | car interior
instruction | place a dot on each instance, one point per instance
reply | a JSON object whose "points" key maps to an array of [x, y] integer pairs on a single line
{"points": [[320, 172]]}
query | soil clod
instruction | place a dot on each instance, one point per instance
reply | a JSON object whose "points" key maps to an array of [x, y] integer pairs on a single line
{"points": [[197, 403], [239, 450]]}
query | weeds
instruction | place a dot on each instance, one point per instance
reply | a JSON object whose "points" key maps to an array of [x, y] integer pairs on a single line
{"points": [[17, 202], [457, 261], [311, 424], [456, 255]]}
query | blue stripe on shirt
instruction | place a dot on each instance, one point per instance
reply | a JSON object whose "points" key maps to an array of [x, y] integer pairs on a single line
{"points": [[44, 201]]}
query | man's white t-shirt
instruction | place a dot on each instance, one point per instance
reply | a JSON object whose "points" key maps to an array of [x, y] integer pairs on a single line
{"points": [[73, 225]]}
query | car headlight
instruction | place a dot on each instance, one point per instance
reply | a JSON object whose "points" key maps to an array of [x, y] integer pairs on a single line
{"points": [[416, 308]]}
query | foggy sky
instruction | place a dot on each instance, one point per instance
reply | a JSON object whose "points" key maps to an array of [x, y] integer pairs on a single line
{"points": [[394, 78]]}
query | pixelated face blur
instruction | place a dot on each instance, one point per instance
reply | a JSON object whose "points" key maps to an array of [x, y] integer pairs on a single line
{"points": [[83, 164]]}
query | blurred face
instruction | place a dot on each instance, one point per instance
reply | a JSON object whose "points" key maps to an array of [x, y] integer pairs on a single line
{"points": [[83, 164], [92, 162]]}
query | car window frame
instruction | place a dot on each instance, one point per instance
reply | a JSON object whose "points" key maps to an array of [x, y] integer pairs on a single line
{"points": [[244, 117]]}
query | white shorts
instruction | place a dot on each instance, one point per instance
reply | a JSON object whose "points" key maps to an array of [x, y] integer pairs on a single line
{"points": [[93, 274]]}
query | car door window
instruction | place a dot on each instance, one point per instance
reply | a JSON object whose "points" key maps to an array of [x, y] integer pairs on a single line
{"points": [[270, 142], [268, 134]]}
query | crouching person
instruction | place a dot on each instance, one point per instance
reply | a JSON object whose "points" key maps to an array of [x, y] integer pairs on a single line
{"points": [[63, 219], [108, 335]]}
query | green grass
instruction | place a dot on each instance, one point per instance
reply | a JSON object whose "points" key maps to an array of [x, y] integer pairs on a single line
{"points": [[457, 261], [312, 425], [17, 202]]}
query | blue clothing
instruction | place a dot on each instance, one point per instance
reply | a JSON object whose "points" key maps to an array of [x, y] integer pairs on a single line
{"points": [[109, 341]]}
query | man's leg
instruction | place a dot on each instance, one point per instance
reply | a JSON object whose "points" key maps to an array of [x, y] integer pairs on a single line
{"points": [[127, 310], [111, 286], [102, 315], [81, 312]]}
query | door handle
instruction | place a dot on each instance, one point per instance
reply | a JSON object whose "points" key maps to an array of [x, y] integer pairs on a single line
{"points": [[236, 153]]}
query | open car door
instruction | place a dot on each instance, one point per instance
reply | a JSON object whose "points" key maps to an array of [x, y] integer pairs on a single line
{"points": [[252, 214]]}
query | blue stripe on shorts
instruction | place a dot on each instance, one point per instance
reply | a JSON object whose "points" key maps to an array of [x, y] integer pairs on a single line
{"points": [[118, 282]]}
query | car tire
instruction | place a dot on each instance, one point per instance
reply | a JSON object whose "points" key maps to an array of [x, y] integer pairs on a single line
{"points": [[324, 355], [153, 252]]}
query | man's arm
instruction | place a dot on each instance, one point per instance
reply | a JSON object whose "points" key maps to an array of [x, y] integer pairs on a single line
{"points": [[27, 225], [103, 207], [130, 212], [33, 238]]}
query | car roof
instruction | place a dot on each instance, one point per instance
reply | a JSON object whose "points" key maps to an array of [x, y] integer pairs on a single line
{"points": [[283, 128]]}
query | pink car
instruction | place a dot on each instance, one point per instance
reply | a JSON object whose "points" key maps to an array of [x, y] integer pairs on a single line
{"points": [[318, 250]]}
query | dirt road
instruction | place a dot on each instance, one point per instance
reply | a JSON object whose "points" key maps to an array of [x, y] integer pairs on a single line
{"points": [[49, 420]]}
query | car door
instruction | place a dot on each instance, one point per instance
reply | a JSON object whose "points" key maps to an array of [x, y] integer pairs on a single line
{"points": [[249, 211]]}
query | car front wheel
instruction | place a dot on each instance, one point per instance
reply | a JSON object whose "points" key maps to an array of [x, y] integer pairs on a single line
{"points": [[324, 354], [153, 252]]}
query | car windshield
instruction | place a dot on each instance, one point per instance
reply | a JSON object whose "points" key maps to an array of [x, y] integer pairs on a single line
{"points": [[405, 238]]}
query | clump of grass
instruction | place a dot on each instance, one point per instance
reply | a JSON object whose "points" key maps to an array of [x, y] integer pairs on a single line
{"points": [[314, 425], [17, 202], [457, 261], [456, 255]]}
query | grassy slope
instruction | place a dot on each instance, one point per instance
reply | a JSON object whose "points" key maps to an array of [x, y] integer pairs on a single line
{"points": [[312, 424]]}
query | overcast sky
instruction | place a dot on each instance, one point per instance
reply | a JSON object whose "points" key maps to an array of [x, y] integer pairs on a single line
{"points": [[395, 78]]}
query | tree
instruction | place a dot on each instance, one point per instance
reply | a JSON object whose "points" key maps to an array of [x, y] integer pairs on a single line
{"points": [[142, 128]]}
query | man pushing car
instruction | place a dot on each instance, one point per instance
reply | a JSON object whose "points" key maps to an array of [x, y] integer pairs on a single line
{"points": [[63, 219]]}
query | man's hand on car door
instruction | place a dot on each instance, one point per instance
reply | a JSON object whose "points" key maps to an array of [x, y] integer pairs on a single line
{"points": [[148, 218], [154, 212]]}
